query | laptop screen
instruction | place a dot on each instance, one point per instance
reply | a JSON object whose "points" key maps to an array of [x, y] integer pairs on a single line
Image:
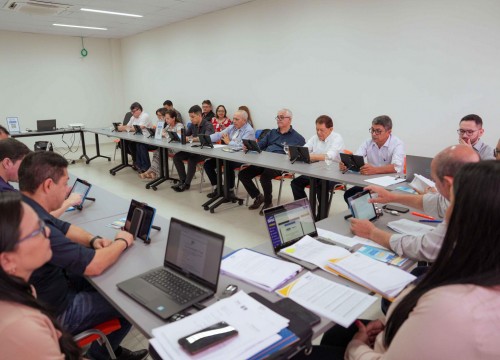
{"points": [[417, 165], [195, 252], [289, 223], [46, 125]]}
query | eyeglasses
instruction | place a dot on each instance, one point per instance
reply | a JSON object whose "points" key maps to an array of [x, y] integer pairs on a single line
{"points": [[375, 131], [41, 230], [468, 132], [281, 117]]}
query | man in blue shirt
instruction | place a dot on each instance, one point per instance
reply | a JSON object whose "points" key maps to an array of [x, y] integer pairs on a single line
{"points": [[12, 152], [60, 285], [273, 142]]}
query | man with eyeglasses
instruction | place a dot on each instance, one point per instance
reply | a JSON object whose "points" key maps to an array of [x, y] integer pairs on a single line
{"points": [[275, 142], [141, 118], [60, 283], [470, 132], [384, 153]]}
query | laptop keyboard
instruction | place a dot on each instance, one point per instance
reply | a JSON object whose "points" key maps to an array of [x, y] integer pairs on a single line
{"points": [[179, 289]]}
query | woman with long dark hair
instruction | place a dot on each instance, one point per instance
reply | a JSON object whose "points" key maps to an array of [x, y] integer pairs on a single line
{"points": [[453, 312], [27, 330]]}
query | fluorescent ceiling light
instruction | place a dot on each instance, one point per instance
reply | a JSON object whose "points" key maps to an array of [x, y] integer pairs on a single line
{"points": [[110, 12], [81, 27]]}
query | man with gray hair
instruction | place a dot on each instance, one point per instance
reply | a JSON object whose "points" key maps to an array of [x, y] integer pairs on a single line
{"points": [[444, 167], [384, 153], [274, 142], [232, 136]]}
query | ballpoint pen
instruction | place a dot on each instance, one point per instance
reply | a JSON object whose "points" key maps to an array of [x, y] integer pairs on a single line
{"points": [[430, 221], [422, 215]]}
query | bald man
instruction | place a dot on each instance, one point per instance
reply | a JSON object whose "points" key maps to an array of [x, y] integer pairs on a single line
{"points": [[425, 247]]}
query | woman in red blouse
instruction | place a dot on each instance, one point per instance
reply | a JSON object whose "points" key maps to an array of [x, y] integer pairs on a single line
{"points": [[220, 121]]}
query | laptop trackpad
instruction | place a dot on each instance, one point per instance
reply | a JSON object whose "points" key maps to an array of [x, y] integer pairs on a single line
{"points": [[148, 294]]}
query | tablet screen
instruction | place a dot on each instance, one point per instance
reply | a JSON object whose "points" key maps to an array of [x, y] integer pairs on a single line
{"points": [[360, 207], [80, 187]]}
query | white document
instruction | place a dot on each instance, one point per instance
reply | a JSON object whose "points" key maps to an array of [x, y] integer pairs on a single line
{"points": [[159, 130], [256, 325], [409, 227], [334, 301], [385, 180], [375, 275], [261, 270], [314, 251], [217, 146], [346, 241], [421, 183]]}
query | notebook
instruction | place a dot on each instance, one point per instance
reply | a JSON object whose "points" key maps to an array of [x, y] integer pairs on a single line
{"points": [[46, 125], [192, 261], [289, 223], [417, 165]]}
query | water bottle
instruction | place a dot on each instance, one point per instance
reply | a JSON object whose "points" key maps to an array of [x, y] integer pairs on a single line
{"points": [[183, 136]]}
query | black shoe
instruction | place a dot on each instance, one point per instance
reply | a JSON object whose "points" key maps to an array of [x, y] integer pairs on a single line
{"points": [[126, 354], [232, 196], [176, 185], [259, 200], [181, 187], [135, 168], [266, 205], [212, 194]]}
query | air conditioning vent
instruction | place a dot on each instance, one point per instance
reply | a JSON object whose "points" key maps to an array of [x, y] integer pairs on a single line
{"points": [[36, 7]]}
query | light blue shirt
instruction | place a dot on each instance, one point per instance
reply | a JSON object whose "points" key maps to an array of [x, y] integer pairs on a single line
{"points": [[235, 135]]}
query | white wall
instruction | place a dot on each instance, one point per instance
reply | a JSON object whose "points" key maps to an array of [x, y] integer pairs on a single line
{"points": [[45, 77], [425, 63]]}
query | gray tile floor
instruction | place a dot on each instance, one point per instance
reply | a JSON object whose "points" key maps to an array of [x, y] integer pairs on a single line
{"points": [[241, 227]]}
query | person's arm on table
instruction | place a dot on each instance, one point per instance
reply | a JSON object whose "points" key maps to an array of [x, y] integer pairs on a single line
{"points": [[107, 256], [385, 196], [369, 169], [366, 229]]}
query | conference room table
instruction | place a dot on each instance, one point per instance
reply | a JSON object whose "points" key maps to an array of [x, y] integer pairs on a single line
{"points": [[63, 132], [317, 170]]}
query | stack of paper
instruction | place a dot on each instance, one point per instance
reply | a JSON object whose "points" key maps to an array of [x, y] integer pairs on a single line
{"points": [[421, 183], [258, 328], [263, 271], [334, 301], [346, 241], [408, 227], [315, 252], [386, 280], [385, 180]]}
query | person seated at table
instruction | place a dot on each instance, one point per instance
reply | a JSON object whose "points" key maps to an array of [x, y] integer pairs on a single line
{"points": [[60, 283], [452, 311], [247, 110], [200, 125], [384, 153], [207, 113], [169, 105], [141, 118], [142, 152], [12, 153], [171, 124], [4, 133], [325, 143], [28, 330], [470, 132], [232, 136], [425, 247], [220, 121], [274, 142]]}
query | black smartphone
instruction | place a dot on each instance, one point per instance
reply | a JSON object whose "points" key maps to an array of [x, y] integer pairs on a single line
{"points": [[298, 310], [135, 222], [399, 209], [208, 337]]}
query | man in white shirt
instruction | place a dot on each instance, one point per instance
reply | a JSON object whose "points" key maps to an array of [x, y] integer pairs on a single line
{"points": [[384, 153], [139, 117], [444, 167], [470, 132], [325, 143]]}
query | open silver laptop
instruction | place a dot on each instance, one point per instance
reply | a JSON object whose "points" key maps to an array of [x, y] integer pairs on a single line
{"points": [[189, 274], [289, 223], [417, 165]]}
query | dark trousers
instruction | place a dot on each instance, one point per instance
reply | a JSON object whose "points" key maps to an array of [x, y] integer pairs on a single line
{"points": [[142, 156], [130, 148], [266, 176], [299, 184], [211, 171], [87, 308], [351, 192], [192, 161]]}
